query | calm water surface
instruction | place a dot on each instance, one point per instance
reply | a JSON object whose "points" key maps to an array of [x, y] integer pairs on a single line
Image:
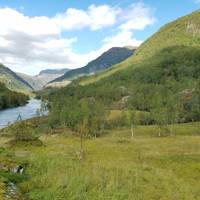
{"points": [[9, 116]]}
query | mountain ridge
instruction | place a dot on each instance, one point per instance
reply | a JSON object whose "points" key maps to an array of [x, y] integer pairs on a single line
{"points": [[53, 71], [154, 83], [174, 33], [112, 56], [39, 81]]}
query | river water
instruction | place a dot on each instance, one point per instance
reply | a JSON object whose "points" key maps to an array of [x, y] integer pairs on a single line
{"points": [[9, 116]]}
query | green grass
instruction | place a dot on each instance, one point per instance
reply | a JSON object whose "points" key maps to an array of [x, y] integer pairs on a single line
{"points": [[2, 188], [115, 166], [188, 129]]}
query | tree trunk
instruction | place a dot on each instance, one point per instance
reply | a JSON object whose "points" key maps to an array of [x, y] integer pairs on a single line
{"points": [[81, 142], [132, 133], [159, 132], [172, 128]]}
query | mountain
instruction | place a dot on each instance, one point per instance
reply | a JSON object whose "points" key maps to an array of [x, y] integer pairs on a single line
{"points": [[53, 71], [49, 75], [39, 81], [35, 82], [106, 60], [13, 81], [163, 76], [184, 31]]}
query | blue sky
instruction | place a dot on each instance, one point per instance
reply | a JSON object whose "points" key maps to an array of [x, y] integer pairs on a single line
{"points": [[40, 34]]}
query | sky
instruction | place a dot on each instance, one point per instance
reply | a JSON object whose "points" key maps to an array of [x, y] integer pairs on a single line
{"points": [[52, 34]]}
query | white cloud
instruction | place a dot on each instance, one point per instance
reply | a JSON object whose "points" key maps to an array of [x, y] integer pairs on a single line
{"points": [[30, 44], [96, 17], [102, 16], [137, 17], [197, 1], [13, 20], [121, 39]]}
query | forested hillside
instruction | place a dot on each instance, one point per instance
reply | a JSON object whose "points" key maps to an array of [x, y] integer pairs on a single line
{"points": [[164, 83], [9, 99], [184, 31]]}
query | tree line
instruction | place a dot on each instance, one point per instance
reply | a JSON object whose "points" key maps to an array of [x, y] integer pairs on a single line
{"points": [[9, 99], [165, 88]]}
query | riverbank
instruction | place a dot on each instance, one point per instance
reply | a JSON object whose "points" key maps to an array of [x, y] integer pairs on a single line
{"points": [[10, 116]]}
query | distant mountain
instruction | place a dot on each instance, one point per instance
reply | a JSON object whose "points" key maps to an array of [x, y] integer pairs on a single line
{"points": [[111, 57], [45, 76], [35, 82], [53, 71], [12, 81], [49, 75]]}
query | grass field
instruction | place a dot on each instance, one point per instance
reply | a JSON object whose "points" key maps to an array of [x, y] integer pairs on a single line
{"points": [[114, 166]]}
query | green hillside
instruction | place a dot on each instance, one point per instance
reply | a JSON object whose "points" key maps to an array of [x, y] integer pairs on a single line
{"points": [[9, 99], [165, 83], [13, 81], [184, 31]]}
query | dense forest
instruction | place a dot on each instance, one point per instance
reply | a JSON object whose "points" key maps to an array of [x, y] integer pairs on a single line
{"points": [[164, 88], [9, 99], [159, 84]]}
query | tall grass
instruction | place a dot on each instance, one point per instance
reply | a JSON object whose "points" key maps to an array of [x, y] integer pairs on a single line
{"points": [[114, 167]]}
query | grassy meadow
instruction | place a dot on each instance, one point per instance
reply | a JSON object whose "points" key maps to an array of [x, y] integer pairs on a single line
{"points": [[114, 166]]}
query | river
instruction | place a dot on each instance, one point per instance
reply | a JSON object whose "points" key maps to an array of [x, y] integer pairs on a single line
{"points": [[9, 116]]}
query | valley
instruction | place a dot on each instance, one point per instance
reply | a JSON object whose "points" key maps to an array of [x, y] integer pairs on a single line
{"points": [[126, 126]]}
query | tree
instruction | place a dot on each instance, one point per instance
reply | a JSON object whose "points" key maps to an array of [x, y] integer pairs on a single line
{"points": [[83, 123], [97, 117], [131, 120], [158, 112]]}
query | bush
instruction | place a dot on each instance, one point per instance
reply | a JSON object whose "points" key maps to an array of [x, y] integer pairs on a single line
{"points": [[25, 134]]}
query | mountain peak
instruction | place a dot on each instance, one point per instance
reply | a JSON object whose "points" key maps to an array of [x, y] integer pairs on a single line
{"points": [[109, 58]]}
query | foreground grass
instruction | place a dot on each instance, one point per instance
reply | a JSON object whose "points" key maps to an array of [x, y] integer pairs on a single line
{"points": [[114, 166]]}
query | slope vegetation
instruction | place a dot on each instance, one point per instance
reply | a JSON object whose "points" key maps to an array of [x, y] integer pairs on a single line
{"points": [[162, 78], [184, 31], [13, 81], [9, 99]]}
